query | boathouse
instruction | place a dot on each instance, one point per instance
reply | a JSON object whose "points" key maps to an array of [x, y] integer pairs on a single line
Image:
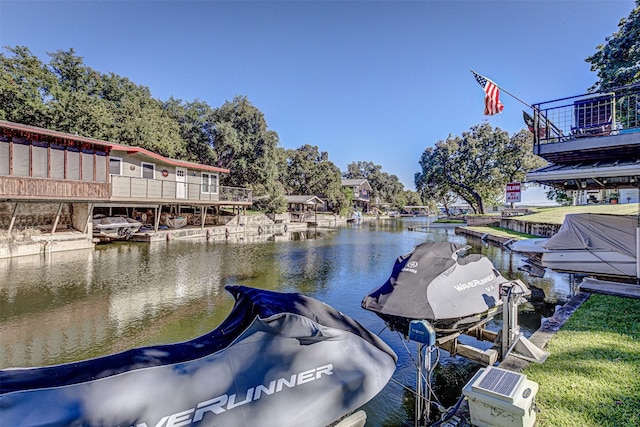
{"points": [[53, 183]]}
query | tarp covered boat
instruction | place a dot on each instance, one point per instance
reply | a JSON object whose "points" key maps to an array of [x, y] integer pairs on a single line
{"points": [[593, 244], [439, 283], [278, 359]]}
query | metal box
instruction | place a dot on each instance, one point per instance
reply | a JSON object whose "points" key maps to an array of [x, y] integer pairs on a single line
{"points": [[422, 332], [501, 398]]}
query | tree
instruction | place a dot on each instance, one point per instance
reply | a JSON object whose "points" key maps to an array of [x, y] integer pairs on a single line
{"points": [[26, 86], [559, 195], [476, 166], [197, 131], [309, 171], [243, 143], [431, 182], [617, 62], [76, 106]]}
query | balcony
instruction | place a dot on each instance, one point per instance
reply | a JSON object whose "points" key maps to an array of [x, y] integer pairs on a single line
{"points": [[132, 189], [588, 127], [46, 189], [121, 189]]}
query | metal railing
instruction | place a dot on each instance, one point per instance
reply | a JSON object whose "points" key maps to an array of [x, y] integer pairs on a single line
{"points": [[584, 116], [126, 187]]}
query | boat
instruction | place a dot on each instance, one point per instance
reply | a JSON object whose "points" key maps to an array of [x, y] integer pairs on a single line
{"points": [[114, 227], [441, 283], [278, 359], [600, 245]]}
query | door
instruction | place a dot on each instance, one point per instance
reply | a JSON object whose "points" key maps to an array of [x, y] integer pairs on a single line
{"points": [[181, 183]]}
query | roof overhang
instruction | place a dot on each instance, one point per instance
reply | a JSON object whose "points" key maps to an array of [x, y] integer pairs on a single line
{"points": [[595, 175], [33, 131], [304, 200]]}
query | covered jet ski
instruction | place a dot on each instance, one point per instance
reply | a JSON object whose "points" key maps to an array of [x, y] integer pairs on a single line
{"points": [[437, 282], [278, 359]]}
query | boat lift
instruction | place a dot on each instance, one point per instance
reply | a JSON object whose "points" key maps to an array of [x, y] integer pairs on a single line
{"points": [[508, 341]]}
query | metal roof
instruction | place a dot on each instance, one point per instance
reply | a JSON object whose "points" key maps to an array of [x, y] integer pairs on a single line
{"points": [[590, 175], [33, 130]]}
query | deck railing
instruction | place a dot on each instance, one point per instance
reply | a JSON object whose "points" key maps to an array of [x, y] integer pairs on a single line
{"points": [[26, 188], [125, 187], [585, 116]]}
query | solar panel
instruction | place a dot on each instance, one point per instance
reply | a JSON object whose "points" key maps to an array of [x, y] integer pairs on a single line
{"points": [[499, 382]]}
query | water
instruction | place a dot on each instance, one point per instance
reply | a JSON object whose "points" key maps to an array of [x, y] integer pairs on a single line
{"points": [[78, 305]]}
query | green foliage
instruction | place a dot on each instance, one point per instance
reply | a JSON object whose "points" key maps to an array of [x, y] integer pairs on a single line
{"points": [[346, 208], [558, 195], [591, 376], [243, 143], [26, 86], [308, 171], [475, 166], [617, 62], [272, 203], [68, 96]]}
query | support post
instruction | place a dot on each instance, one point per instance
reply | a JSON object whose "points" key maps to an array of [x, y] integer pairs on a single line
{"points": [[55, 223], [89, 219], [638, 252], [156, 221], [418, 398], [13, 217]]}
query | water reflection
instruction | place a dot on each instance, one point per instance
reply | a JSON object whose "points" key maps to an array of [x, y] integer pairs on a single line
{"points": [[76, 305]]}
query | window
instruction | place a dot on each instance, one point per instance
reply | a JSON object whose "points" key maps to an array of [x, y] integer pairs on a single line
{"points": [[209, 183], [148, 170], [115, 166]]}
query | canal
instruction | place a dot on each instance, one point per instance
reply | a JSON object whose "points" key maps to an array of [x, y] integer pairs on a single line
{"points": [[78, 305]]}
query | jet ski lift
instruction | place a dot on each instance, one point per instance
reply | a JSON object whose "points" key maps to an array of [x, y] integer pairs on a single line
{"points": [[435, 294], [508, 341]]}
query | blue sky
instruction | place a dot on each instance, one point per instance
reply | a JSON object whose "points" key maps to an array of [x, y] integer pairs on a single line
{"points": [[374, 81]]}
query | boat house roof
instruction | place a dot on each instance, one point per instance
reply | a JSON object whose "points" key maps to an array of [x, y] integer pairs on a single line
{"points": [[304, 200], [40, 134]]}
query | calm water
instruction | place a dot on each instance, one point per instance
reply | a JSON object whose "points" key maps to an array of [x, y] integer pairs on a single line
{"points": [[72, 306]]}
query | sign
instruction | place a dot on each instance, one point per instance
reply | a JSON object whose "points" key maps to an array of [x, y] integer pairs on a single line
{"points": [[513, 192]]}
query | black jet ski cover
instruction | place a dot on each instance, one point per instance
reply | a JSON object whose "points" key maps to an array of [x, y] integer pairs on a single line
{"points": [[278, 359], [437, 282]]}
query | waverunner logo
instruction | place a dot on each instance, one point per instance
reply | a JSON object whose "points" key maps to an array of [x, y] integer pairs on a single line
{"points": [[411, 267], [474, 283], [226, 402]]}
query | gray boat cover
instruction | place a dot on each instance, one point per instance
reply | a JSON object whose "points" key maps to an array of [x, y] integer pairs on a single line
{"points": [[596, 232], [279, 359], [435, 282]]}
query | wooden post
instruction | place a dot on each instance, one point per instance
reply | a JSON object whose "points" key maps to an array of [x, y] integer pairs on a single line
{"points": [[158, 211], [55, 223], [89, 219], [13, 217]]}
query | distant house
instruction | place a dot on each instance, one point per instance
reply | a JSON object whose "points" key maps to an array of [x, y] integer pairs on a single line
{"points": [[303, 206], [361, 191]]}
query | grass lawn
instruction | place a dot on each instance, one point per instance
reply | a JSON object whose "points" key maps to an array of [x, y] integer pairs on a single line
{"points": [[556, 215], [500, 232], [592, 375]]}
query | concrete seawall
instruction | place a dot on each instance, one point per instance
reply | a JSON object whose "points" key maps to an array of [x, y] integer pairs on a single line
{"points": [[32, 241]]}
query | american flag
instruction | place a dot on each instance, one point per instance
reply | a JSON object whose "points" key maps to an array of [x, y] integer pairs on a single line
{"points": [[492, 104]]}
